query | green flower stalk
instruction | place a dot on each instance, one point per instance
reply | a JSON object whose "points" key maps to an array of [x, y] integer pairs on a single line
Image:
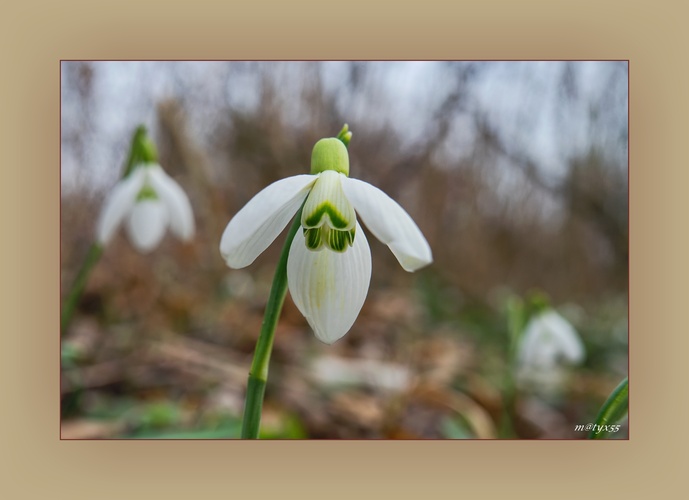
{"points": [[70, 304], [516, 318], [326, 260]]}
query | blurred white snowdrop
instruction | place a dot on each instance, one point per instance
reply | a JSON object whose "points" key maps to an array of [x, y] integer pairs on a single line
{"points": [[329, 263], [335, 371], [548, 343], [148, 201]]}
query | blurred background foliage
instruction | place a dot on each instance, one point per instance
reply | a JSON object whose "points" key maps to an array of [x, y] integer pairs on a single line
{"points": [[516, 172]]}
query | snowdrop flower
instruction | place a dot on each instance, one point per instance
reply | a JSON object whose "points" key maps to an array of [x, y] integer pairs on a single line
{"points": [[329, 263], [547, 342], [149, 201]]}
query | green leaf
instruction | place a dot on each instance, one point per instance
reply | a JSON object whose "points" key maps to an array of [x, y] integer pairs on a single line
{"points": [[229, 430], [159, 415], [613, 410], [453, 428], [290, 427], [70, 355]]}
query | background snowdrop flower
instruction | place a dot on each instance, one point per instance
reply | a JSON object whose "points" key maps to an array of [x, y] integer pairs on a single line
{"points": [[548, 342], [329, 262], [149, 201]]}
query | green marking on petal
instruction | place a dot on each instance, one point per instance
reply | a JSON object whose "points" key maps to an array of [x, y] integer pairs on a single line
{"points": [[315, 218], [328, 218], [319, 237], [337, 240], [313, 238], [146, 193], [327, 198]]}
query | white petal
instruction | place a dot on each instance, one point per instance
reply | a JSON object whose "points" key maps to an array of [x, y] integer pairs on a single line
{"points": [[548, 338], [533, 349], [261, 220], [120, 200], [147, 223], [176, 201], [389, 223], [329, 288], [570, 345]]}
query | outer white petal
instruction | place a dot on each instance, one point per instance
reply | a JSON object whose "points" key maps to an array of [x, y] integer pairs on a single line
{"points": [[147, 223], [526, 347], [176, 201], [536, 346], [547, 338], [329, 288], [389, 223], [261, 220], [120, 200], [570, 345]]}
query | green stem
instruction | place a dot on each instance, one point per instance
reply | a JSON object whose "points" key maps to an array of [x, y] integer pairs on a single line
{"points": [[515, 325], [258, 375], [509, 396], [506, 429], [94, 253], [614, 408]]}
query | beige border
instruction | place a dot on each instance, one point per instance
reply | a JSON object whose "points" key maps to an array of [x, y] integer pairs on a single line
{"points": [[38, 465]]}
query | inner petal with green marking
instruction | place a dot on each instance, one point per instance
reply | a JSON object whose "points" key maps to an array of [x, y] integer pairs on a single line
{"points": [[328, 219], [318, 238], [146, 193]]}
